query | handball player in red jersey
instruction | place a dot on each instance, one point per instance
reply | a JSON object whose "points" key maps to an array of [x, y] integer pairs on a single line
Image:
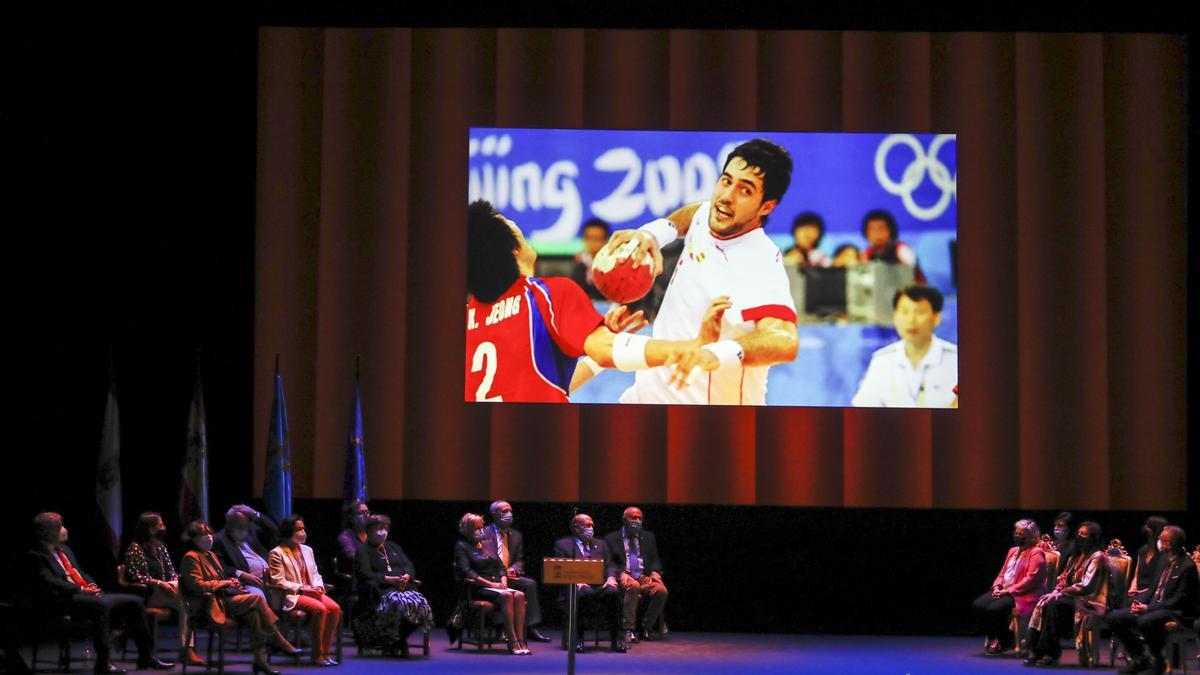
{"points": [[525, 334]]}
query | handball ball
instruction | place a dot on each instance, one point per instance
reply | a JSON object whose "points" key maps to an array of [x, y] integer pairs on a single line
{"points": [[616, 277]]}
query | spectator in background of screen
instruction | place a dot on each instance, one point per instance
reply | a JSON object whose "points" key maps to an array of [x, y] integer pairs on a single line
{"points": [[595, 236], [847, 255], [808, 229], [920, 370], [883, 242]]}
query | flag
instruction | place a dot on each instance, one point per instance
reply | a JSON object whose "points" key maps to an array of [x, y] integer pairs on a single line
{"points": [[355, 486], [277, 493], [193, 493], [108, 469]]}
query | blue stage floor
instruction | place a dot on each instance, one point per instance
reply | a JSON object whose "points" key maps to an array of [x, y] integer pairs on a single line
{"points": [[690, 654]]}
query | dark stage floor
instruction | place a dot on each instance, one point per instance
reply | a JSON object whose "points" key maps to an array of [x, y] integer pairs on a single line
{"points": [[687, 653]]}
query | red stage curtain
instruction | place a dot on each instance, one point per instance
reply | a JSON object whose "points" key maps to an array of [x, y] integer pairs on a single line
{"points": [[1071, 263]]}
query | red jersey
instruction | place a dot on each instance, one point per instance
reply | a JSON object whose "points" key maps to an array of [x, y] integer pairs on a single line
{"points": [[523, 347]]}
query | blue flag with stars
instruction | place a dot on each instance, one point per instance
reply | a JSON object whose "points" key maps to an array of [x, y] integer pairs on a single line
{"points": [[277, 493], [355, 486]]}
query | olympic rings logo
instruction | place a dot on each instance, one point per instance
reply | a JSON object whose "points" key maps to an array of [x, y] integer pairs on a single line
{"points": [[914, 173]]}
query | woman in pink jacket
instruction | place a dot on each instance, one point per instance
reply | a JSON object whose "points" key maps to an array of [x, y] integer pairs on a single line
{"points": [[1021, 581]]}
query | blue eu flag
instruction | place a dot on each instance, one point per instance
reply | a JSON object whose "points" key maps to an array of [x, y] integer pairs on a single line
{"points": [[355, 486], [277, 493]]}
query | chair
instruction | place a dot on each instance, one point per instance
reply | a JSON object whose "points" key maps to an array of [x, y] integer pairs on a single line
{"points": [[481, 623], [1087, 635], [200, 619], [154, 615], [344, 590], [1178, 637], [295, 619], [60, 626], [597, 617]]}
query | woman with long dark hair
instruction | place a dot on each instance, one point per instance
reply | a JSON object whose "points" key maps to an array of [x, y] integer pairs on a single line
{"points": [[1084, 585]]}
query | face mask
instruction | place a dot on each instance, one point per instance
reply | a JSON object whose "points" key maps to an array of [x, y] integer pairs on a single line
{"points": [[1059, 533], [586, 533], [1161, 547], [237, 535], [478, 534], [300, 537], [382, 534], [504, 519], [1018, 540], [633, 527], [360, 520], [205, 542], [62, 535]]}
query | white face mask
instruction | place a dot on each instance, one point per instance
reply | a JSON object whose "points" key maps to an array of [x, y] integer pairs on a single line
{"points": [[62, 535], [300, 537], [1161, 546], [382, 534]]}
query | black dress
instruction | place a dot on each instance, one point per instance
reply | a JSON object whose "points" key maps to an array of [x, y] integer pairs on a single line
{"points": [[389, 614]]}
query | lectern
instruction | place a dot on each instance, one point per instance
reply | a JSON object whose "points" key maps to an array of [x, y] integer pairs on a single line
{"points": [[571, 571]]}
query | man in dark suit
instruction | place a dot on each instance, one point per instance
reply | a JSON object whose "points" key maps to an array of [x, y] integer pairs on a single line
{"points": [[1174, 596], [635, 553], [59, 583], [509, 546], [583, 544], [243, 544]]}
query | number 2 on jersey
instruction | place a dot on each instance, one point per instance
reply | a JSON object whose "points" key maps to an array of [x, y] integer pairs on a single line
{"points": [[485, 360]]}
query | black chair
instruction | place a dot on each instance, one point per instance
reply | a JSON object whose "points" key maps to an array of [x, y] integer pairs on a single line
{"points": [[481, 623], [199, 619], [155, 616], [597, 617]]}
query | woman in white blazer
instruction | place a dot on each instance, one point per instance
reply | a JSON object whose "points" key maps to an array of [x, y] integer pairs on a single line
{"points": [[295, 583]]}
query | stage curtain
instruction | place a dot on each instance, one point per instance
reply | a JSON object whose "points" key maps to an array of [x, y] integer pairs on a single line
{"points": [[1072, 268]]}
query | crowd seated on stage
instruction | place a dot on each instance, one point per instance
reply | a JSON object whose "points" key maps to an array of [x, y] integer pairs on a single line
{"points": [[1098, 588], [257, 572]]}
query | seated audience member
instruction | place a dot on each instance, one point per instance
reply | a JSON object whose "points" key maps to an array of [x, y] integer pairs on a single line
{"points": [[148, 562], [1084, 585], [1173, 596], [387, 587], [294, 582], [807, 231], [920, 370], [883, 242], [1018, 585], [485, 576], [240, 549], [846, 255], [509, 546], [635, 553], [1064, 540], [583, 544], [1147, 556], [354, 522], [204, 583], [60, 586], [595, 236]]}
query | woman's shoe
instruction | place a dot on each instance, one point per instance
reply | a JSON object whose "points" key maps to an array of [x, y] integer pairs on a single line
{"points": [[1047, 661], [525, 650], [191, 658], [514, 647]]}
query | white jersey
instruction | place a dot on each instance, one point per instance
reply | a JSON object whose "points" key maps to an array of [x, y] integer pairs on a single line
{"points": [[892, 382], [749, 269]]}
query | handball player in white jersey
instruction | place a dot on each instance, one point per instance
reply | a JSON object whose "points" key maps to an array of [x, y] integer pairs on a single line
{"points": [[725, 253]]}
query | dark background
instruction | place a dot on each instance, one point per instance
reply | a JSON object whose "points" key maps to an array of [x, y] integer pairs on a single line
{"points": [[134, 235]]}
